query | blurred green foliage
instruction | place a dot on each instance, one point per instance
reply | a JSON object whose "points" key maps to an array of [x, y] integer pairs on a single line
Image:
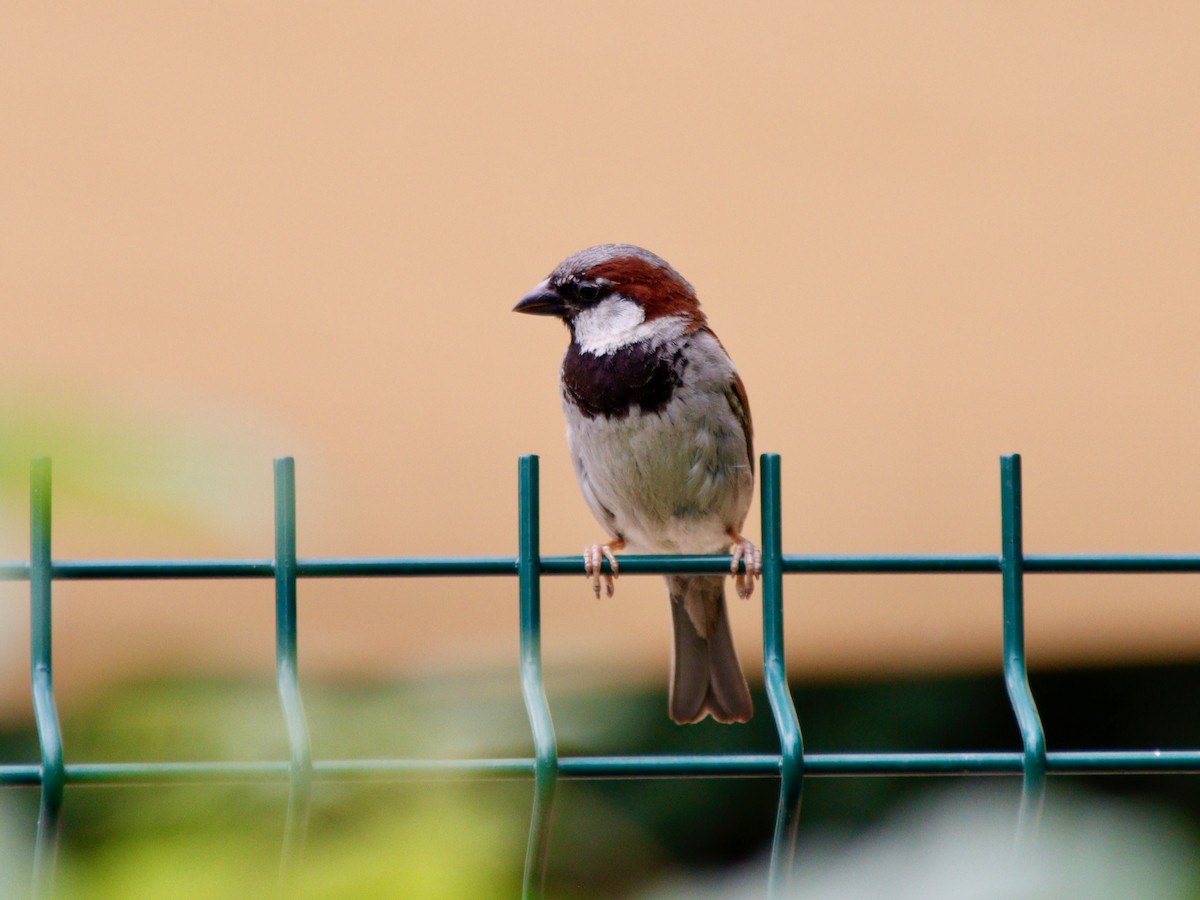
{"points": [[181, 469], [441, 838]]}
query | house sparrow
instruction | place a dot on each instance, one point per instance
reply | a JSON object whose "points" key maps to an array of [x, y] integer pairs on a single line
{"points": [[658, 427]]}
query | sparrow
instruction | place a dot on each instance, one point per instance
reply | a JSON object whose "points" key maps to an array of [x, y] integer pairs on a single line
{"points": [[660, 437]]}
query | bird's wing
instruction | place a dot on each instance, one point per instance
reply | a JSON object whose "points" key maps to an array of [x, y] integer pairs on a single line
{"points": [[739, 403]]}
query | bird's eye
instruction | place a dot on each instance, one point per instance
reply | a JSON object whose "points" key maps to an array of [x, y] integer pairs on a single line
{"points": [[587, 291]]}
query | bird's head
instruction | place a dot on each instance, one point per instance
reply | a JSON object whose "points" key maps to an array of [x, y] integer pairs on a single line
{"points": [[612, 296]]}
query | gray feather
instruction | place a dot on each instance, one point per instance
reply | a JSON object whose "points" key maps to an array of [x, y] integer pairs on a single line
{"points": [[706, 677]]}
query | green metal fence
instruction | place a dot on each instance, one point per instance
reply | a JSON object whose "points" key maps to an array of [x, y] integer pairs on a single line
{"points": [[789, 764]]}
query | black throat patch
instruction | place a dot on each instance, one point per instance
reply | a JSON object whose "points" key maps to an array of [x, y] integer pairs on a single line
{"points": [[611, 385]]}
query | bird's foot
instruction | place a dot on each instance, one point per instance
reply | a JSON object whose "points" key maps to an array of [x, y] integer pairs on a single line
{"points": [[593, 565], [746, 554]]}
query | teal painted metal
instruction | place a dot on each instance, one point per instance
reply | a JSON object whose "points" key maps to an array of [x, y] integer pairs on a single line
{"points": [[52, 771], [1016, 670], [494, 566], [287, 675], [745, 765], [545, 771], [790, 765], [783, 709]]}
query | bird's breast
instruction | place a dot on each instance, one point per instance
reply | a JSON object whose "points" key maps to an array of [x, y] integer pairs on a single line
{"points": [[611, 385], [660, 456]]}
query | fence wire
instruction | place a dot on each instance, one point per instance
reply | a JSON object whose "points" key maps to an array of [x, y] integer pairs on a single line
{"points": [[789, 763]]}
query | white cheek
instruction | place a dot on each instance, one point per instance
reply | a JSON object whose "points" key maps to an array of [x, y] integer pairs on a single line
{"points": [[608, 325], [615, 322]]}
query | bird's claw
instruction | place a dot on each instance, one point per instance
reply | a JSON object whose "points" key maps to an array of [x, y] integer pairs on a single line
{"points": [[745, 553], [593, 565]]}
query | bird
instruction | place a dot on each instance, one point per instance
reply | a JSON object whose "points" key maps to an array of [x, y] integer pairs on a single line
{"points": [[662, 444]]}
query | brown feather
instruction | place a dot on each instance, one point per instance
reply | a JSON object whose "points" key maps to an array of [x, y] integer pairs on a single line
{"points": [[660, 291], [739, 402], [706, 676]]}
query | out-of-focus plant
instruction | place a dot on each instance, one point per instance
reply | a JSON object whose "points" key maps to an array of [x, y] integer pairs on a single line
{"points": [[434, 839], [956, 844], [180, 467]]}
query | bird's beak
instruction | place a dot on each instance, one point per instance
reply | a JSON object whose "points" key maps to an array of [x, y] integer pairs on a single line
{"points": [[543, 300]]}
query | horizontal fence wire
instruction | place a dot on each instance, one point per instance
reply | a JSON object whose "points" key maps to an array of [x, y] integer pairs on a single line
{"points": [[790, 764], [485, 566]]}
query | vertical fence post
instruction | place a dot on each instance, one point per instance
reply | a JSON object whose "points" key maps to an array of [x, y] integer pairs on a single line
{"points": [[53, 774], [532, 687], [286, 671], [1016, 671], [787, 723]]}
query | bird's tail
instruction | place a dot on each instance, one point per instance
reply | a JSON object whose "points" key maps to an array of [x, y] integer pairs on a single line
{"points": [[706, 677]]}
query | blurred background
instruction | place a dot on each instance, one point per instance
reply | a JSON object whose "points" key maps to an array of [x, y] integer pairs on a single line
{"points": [[927, 233]]}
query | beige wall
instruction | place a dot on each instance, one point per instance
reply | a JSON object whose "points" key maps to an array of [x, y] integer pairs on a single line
{"points": [[928, 233]]}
